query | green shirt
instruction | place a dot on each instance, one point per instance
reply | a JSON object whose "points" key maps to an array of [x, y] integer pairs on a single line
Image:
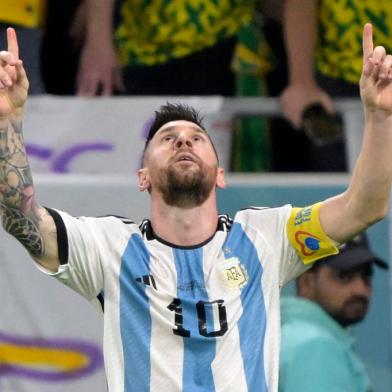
{"points": [[316, 352]]}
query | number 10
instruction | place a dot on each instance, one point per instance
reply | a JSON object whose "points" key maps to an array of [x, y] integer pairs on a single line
{"points": [[176, 307]]}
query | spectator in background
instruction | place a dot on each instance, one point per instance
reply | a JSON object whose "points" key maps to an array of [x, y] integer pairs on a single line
{"points": [[175, 47], [26, 17], [316, 348], [261, 66], [61, 42], [323, 40]]}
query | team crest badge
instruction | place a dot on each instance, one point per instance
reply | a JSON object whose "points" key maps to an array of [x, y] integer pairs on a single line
{"points": [[233, 274]]}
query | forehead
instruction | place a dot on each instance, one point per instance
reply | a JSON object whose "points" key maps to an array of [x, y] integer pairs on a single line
{"points": [[179, 125]]}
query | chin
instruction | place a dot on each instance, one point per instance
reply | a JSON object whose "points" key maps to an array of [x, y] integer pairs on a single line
{"points": [[351, 318]]}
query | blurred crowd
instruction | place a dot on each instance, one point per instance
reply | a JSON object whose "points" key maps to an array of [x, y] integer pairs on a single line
{"points": [[305, 52]]}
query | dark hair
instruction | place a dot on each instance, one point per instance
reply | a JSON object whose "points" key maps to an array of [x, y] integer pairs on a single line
{"points": [[173, 112]]}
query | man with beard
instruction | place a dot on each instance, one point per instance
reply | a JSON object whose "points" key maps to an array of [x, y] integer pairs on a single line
{"points": [[191, 296], [317, 353]]}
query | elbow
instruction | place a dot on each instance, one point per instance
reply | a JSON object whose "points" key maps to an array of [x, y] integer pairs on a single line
{"points": [[382, 214]]}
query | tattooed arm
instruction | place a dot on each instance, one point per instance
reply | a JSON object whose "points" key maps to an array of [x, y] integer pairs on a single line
{"points": [[20, 214]]}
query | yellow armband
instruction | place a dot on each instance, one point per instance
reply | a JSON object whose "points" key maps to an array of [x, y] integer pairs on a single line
{"points": [[307, 236]]}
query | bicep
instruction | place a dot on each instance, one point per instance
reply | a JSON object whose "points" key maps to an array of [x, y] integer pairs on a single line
{"points": [[340, 219]]}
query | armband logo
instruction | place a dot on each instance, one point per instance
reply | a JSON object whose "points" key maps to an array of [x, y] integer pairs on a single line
{"points": [[233, 274], [303, 215], [308, 242]]}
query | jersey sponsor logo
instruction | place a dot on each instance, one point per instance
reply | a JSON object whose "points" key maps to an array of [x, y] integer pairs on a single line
{"points": [[233, 274], [308, 242]]}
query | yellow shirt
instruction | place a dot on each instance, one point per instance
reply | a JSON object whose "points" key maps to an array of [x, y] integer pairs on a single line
{"points": [[26, 13], [155, 31], [339, 49]]}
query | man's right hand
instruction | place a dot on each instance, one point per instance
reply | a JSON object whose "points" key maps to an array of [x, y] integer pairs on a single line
{"points": [[14, 84]]}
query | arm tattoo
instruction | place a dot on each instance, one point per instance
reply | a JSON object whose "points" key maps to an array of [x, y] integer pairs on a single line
{"points": [[24, 229], [18, 209]]}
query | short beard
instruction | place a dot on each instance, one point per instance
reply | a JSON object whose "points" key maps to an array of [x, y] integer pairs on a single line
{"points": [[187, 191], [343, 319]]}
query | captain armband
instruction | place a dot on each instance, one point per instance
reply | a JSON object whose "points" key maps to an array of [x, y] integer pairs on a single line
{"points": [[307, 236]]}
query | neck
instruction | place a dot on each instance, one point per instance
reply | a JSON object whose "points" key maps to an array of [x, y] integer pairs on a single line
{"points": [[184, 226]]}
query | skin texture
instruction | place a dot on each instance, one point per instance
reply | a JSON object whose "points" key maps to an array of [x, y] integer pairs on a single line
{"points": [[183, 164], [174, 219], [344, 295], [21, 217], [20, 214]]}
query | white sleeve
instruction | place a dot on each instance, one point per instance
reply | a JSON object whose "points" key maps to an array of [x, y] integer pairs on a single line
{"points": [[284, 261], [81, 243], [290, 263]]}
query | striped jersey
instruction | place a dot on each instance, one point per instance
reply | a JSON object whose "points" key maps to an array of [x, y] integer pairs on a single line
{"points": [[197, 318]]}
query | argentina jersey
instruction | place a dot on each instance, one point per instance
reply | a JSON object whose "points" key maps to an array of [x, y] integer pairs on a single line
{"points": [[200, 318]]}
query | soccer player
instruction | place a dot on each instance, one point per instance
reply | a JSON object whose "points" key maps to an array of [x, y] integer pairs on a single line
{"points": [[191, 296]]}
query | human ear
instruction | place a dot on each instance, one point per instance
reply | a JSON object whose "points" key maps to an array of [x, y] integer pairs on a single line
{"points": [[220, 178], [144, 182]]}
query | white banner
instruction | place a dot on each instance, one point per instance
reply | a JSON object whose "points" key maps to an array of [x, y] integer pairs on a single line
{"points": [[105, 135]]}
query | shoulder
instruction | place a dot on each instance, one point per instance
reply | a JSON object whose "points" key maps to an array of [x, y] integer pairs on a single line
{"points": [[107, 223], [257, 213]]}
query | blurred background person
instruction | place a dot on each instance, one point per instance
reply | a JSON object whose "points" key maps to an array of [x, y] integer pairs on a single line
{"points": [[324, 51], [317, 348], [203, 47], [163, 48], [62, 39], [26, 16], [174, 47]]}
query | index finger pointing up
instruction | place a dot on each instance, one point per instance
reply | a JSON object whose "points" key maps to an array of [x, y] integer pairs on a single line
{"points": [[12, 42], [367, 41]]}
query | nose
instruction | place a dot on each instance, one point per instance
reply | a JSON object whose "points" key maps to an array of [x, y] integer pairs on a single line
{"points": [[183, 140]]}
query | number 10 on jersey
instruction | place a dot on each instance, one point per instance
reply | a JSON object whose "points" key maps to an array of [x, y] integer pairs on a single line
{"points": [[201, 314]]}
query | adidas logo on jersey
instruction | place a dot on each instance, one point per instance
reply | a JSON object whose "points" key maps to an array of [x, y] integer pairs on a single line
{"points": [[148, 280]]}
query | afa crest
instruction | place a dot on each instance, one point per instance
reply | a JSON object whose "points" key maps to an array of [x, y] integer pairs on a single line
{"points": [[233, 274]]}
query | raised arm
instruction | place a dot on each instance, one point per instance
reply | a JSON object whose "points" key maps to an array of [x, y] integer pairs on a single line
{"points": [[20, 214], [367, 197]]}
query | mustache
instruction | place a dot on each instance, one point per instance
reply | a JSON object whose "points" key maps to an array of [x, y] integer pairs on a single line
{"points": [[357, 299]]}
